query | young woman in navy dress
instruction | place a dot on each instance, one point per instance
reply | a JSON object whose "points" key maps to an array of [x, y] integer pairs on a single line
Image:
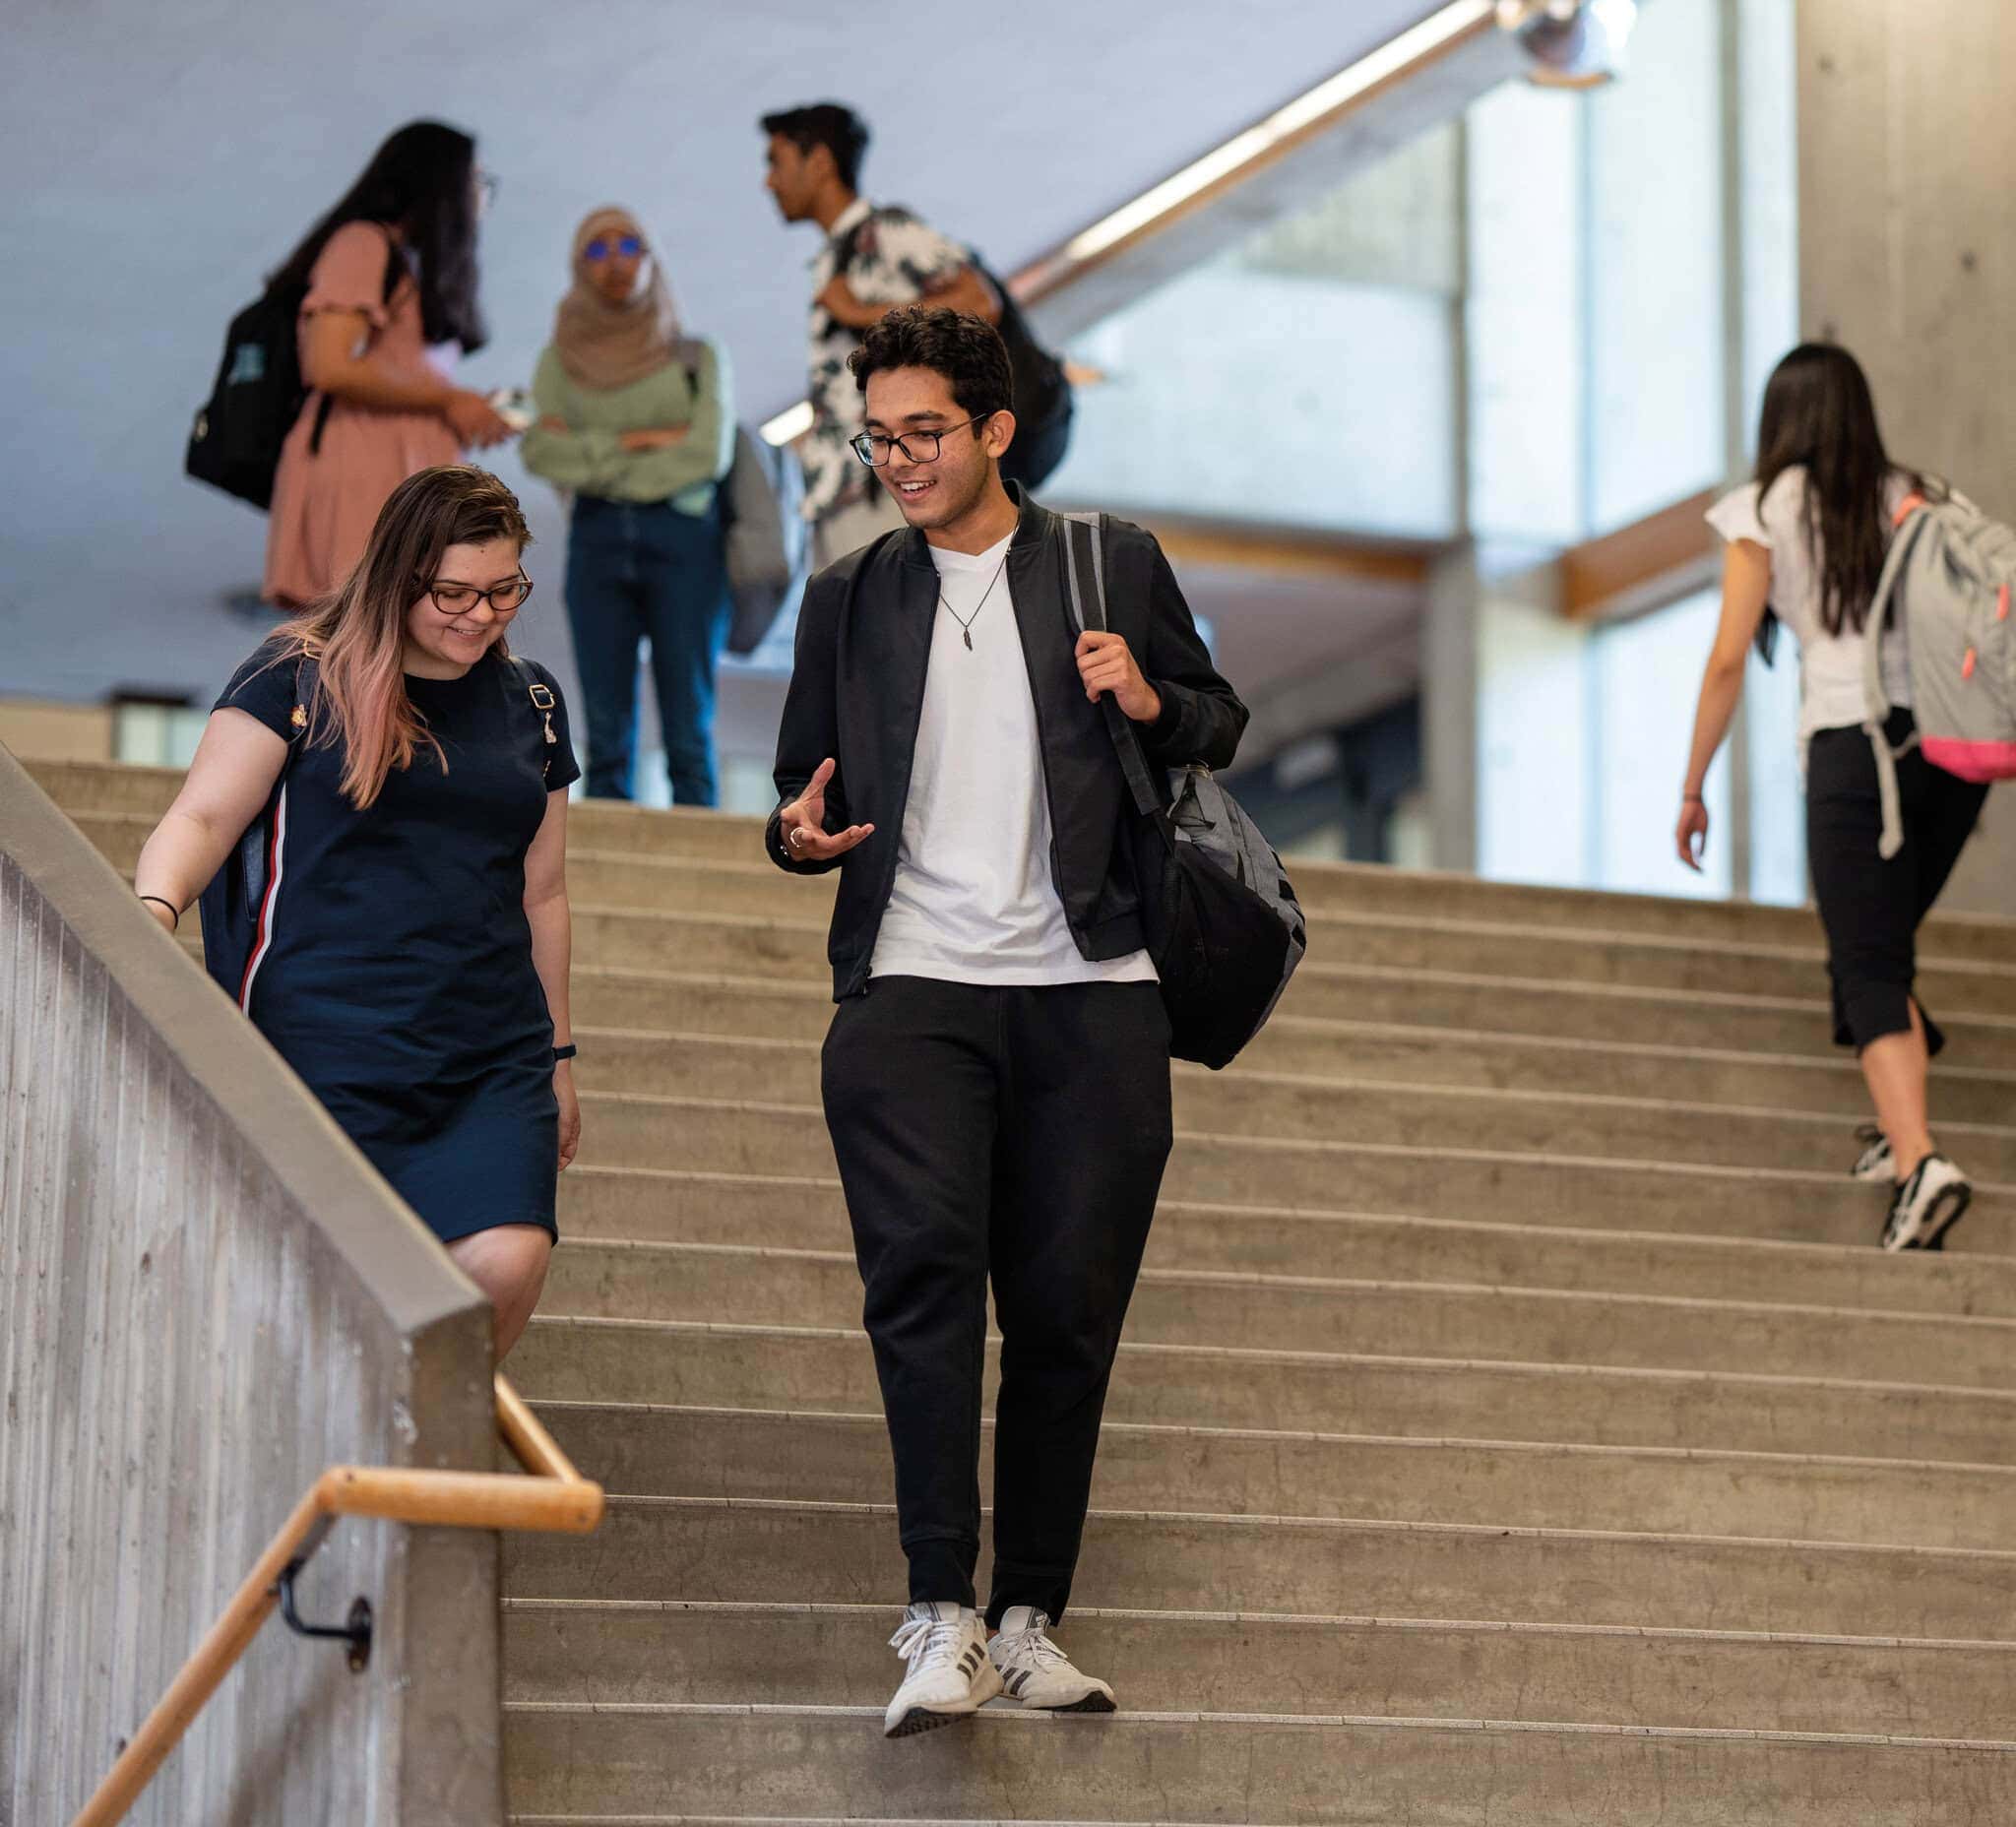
{"points": [[409, 957]]}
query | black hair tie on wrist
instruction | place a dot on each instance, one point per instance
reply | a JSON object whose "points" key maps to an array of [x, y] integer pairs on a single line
{"points": [[569, 1051], [174, 913]]}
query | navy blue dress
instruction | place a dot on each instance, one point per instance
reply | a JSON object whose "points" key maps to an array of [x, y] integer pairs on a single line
{"points": [[391, 961]]}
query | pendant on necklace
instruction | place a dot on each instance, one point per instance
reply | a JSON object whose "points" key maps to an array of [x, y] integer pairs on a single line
{"points": [[966, 635]]}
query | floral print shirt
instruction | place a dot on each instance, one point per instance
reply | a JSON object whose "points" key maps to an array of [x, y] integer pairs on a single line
{"points": [[895, 259]]}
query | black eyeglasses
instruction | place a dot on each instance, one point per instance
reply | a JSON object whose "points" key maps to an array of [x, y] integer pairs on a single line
{"points": [[454, 598], [600, 249], [873, 449]]}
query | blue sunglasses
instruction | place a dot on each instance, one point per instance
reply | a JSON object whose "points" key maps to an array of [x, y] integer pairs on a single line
{"points": [[600, 248]]}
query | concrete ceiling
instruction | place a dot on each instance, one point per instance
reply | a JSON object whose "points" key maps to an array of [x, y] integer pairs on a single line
{"points": [[161, 157]]}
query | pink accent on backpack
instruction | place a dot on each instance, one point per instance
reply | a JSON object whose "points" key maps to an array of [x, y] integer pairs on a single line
{"points": [[1971, 761]]}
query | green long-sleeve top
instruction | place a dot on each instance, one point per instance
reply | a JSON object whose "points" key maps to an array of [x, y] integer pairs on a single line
{"points": [[587, 457]]}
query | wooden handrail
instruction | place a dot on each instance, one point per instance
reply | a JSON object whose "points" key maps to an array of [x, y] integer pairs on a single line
{"points": [[554, 1497]]}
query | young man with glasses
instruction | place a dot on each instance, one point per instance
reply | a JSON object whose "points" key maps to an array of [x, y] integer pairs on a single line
{"points": [[872, 258], [996, 1075]]}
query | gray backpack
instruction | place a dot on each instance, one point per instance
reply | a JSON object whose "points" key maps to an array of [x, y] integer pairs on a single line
{"points": [[1949, 573], [766, 540], [1221, 916]]}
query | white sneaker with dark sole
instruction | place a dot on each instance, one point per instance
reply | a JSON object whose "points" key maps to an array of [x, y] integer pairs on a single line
{"points": [[1875, 1166], [1927, 1206], [1037, 1672], [951, 1675]]}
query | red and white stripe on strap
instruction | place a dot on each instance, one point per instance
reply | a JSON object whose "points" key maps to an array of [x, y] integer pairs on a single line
{"points": [[262, 934]]}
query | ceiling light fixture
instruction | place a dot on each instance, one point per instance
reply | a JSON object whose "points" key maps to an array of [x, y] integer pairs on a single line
{"points": [[1573, 43]]}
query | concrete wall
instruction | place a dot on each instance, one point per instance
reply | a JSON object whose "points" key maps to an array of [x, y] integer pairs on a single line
{"points": [[56, 732], [205, 1298], [1908, 256]]}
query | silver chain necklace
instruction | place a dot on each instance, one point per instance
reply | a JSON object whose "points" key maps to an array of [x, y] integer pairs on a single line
{"points": [[965, 622]]}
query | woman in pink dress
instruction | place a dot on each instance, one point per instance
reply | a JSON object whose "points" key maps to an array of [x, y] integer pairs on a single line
{"points": [[391, 303]]}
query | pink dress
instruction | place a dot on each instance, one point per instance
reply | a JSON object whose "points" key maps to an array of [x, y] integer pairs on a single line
{"points": [[324, 503]]}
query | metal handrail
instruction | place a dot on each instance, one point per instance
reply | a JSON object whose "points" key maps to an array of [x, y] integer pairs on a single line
{"points": [[554, 1497]]}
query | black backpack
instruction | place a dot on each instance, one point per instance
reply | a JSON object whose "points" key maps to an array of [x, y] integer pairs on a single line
{"points": [[1219, 915], [235, 443], [1042, 401]]}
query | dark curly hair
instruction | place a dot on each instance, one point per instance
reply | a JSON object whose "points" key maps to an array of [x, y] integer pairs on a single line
{"points": [[967, 351]]}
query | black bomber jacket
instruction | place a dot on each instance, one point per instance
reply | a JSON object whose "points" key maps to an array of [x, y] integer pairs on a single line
{"points": [[858, 691]]}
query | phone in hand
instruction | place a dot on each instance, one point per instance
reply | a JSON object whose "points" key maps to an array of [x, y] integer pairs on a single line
{"points": [[513, 405]]}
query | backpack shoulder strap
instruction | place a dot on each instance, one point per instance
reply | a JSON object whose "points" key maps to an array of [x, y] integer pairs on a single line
{"points": [[1086, 593], [395, 271], [541, 697], [1913, 517]]}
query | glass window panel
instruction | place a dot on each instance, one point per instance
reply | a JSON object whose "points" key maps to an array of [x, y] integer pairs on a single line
{"points": [[1242, 394], [1646, 686], [1654, 253], [1534, 730], [1524, 316], [1778, 794]]}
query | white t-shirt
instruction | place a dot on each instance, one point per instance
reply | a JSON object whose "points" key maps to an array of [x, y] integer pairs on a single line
{"points": [[1831, 695], [974, 900]]}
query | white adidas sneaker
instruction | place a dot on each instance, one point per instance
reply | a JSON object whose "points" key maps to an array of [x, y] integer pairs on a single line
{"points": [[1926, 1206], [1037, 1672], [1875, 1166], [950, 1673]]}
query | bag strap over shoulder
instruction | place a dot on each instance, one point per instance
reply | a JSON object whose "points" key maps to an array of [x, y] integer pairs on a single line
{"points": [[1084, 563], [1910, 521], [542, 698], [395, 271]]}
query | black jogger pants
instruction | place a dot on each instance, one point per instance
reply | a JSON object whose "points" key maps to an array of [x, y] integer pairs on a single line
{"points": [[1022, 1133], [1871, 907]]}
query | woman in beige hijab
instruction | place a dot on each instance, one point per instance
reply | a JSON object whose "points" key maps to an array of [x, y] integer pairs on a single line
{"points": [[635, 421]]}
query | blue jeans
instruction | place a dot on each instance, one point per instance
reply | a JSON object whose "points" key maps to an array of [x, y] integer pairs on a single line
{"points": [[637, 571]]}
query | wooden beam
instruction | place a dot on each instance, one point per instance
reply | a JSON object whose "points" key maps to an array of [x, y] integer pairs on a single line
{"points": [[1655, 559]]}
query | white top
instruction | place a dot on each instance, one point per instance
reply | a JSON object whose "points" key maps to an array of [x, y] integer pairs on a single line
{"points": [[974, 900], [1831, 695]]}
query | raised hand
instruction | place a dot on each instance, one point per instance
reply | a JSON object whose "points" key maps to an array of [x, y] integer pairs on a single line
{"points": [[802, 823]]}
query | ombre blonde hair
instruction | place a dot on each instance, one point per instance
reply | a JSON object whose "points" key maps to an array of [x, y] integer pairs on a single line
{"points": [[357, 637]]}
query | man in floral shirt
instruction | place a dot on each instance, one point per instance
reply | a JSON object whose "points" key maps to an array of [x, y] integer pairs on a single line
{"points": [[873, 259]]}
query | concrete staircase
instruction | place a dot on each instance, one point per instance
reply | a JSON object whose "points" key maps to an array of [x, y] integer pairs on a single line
{"points": [[1539, 1440]]}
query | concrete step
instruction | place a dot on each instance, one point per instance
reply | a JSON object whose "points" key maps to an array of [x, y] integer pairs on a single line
{"points": [[744, 1285], [1455, 1182], [671, 1206], [801, 1008], [658, 841], [714, 1549], [638, 939], [751, 884], [1439, 1160], [792, 1654], [669, 1452], [711, 1363], [1504, 1095], [1219, 1767], [1301, 1048]]}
